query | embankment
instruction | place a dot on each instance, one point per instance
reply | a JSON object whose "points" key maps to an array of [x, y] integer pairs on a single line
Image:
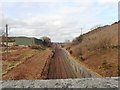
{"points": [[80, 70]]}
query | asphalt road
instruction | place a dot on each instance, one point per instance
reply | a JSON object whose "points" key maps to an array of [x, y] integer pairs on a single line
{"points": [[59, 67]]}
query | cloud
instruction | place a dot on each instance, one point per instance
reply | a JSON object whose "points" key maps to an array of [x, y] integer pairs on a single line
{"points": [[51, 1], [58, 19], [108, 1], [55, 28]]}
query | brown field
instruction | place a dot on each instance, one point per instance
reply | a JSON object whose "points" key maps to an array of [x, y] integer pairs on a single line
{"points": [[24, 63]]}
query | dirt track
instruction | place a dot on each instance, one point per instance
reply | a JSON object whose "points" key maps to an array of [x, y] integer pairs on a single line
{"points": [[59, 67]]}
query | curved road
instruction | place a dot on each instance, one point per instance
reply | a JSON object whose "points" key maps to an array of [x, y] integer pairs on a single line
{"points": [[59, 67]]}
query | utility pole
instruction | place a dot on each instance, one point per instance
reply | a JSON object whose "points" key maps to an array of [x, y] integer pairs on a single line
{"points": [[6, 40], [81, 31], [2, 39]]}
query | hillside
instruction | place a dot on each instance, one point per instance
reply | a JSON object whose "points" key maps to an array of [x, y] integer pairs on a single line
{"points": [[98, 49]]}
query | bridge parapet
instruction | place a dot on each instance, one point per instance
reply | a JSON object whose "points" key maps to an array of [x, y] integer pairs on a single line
{"points": [[64, 83]]}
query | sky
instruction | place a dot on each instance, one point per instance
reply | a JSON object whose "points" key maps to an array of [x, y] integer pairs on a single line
{"points": [[60, 20]]}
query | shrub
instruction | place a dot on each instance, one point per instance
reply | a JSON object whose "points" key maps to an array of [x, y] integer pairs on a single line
{"points": [[70, 51], [105, 43], [14, 47], [117, 46], [36, 47], [118, 70], [68, 48], [105, 65], [62, 46], [77, 40], [77, 51], [99, 43], [83, 58]]}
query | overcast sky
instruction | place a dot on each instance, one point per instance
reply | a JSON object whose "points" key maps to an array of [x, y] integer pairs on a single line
{"points": [[59, 19]]}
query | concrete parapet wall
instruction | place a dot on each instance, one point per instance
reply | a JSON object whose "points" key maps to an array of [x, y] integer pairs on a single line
{"points": [[80, 70], [64, 83]]}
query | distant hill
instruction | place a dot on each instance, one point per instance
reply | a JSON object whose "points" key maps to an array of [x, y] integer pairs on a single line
{"points": [[96, 47]]}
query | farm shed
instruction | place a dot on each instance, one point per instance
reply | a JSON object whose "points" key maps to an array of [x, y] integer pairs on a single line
{"points": [[21, 41], [27, 41]]}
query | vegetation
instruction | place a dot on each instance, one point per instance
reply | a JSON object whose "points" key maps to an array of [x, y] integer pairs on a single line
{"points": [[118, 70], [70, 51], [77, 40], [106, 65], [117, 46], [38, 47], [46, 41], [97, 46]]}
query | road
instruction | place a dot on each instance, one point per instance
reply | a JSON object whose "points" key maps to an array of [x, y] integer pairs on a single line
{"points": [[59, 67]]}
